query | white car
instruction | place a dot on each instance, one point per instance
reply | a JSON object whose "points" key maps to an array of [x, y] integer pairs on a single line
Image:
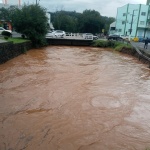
{"points": [[55, 34], [49, 34], [59, 33], [2, 29]]}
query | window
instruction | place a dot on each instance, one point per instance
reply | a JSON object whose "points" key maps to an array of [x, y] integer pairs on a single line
{"points": [[120, 30], [142, 22], [124, 14], [143, 13], [123, 22], [130, 30], [112, 28]]}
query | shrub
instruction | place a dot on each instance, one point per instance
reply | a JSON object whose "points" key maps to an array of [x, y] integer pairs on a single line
{"points": [[122, 46], [6, 34], [100, 43], [118, 46]]}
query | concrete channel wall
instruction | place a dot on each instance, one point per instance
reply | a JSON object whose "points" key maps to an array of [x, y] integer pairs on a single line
{"points": [[69, 42], [8, 50], [136, 52]]}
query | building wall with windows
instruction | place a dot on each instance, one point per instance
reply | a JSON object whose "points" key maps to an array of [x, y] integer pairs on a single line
{"points": [[132, 19]]}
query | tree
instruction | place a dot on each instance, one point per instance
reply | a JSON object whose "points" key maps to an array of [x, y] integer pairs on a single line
{"points": [[107, 21], [65, 20], [31, 21], [90, 21], [4, 14]]}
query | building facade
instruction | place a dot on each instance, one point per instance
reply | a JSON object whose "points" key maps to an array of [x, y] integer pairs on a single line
{"points": [[12, 2], [133, 20]]}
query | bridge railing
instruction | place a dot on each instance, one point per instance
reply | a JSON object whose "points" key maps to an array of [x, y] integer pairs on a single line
{"points": [[79, 36]]}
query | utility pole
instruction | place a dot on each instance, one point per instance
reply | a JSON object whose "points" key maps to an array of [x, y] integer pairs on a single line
{"points": [[132, 23]]}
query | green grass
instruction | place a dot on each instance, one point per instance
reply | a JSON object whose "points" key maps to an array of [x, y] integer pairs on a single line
{"points": [[118, 46], [15, 40], [121, 46]]}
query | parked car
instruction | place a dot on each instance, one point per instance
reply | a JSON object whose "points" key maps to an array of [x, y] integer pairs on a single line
{"points": [[49, 34], [124, 37], [114, 37], [87, 36], [95, 37], [2, 29], [58, 33]]}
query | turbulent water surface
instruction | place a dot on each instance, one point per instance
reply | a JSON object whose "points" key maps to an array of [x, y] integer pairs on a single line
{"points": [[74, 98]]}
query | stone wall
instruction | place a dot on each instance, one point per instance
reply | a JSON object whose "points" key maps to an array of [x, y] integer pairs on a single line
{"points": [[9, 50]]}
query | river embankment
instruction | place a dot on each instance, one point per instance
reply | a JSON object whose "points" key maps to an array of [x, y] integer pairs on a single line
{"points": [[9, 50]]}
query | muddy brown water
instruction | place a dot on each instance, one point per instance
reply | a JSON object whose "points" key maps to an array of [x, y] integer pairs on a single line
{"points": [[74, 98]]}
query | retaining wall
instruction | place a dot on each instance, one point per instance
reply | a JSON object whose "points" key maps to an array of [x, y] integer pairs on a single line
{"points": [[138, 54], [9, 50], [69, 42]]}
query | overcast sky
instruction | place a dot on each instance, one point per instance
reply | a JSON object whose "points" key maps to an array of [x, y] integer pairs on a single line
{"points": [[105, 7]]}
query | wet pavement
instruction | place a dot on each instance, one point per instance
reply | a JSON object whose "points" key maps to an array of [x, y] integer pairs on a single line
{"points": [[74, 98], [140, 45]]}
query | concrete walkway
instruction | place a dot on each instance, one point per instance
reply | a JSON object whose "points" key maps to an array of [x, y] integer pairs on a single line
{"points": [[140, 46], [2, 41]]}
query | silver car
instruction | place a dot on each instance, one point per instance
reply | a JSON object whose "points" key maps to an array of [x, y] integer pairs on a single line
{"points": [[49, 34], [55, 34], [59, 33]]}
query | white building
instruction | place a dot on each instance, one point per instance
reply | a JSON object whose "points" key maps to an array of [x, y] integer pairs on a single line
{"points": [[134, 20]]}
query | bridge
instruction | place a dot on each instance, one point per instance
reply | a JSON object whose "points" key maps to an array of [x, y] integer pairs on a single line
{"points": [[73, 39]]}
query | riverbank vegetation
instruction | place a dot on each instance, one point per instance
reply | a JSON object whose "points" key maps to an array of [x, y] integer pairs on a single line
{"points": [[118, 46]]}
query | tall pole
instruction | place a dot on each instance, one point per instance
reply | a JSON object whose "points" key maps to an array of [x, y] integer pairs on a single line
{"points": [[49, 19], [19, 2], [131, 22]]}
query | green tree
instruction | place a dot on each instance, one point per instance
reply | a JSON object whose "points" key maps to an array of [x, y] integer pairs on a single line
{"points": [[31, 21], [90, 21], [65, 21], [4, 14], [107, 21]]}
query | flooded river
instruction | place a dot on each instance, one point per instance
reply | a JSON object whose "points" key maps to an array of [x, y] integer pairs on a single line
{"points": [[74, 98]]}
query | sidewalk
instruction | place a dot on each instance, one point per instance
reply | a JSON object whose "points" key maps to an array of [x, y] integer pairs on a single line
{"points": [[2, 41], [140, 46]]}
